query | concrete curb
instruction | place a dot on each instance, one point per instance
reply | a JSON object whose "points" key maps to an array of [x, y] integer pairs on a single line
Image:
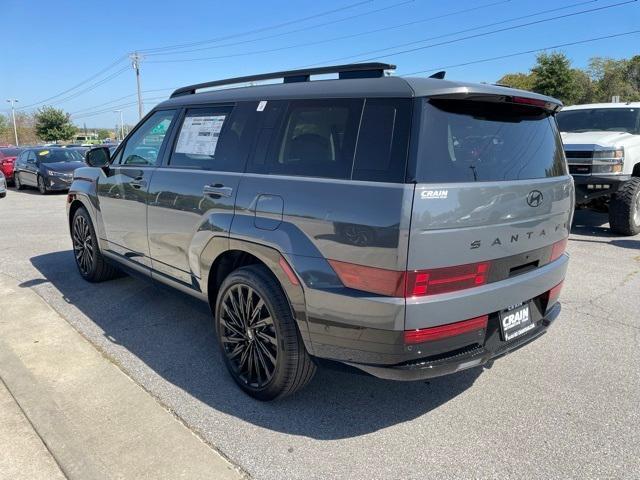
{"points": [[95, 421]]}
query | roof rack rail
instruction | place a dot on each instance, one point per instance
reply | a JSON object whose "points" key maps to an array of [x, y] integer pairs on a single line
{"points": [[352, 70]]}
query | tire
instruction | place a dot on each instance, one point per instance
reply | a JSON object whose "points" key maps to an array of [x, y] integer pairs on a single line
{"points": [[276, 363], [624, 209], [92, 265], [42, 187], [16, 182]]}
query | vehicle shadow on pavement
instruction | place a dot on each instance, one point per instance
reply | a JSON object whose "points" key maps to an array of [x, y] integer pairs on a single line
{"points": [[171, 333], [596, 224]]}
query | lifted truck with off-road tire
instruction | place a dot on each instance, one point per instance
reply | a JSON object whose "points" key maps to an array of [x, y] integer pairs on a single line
{"points": [[602, 145]]}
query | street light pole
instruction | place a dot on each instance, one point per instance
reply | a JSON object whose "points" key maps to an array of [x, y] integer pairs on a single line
{"points": [[13, 101], [121, 124]]}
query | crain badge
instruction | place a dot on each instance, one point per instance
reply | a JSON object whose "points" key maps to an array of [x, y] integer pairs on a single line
{"points": [[434, 194]]}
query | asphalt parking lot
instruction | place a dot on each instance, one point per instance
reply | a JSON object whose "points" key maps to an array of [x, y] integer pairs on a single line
{"points": [[566, 406]]}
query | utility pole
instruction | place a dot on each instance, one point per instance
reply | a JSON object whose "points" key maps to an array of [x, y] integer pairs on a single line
{"points": [[135, 63], [13, 101], [121, 124]]}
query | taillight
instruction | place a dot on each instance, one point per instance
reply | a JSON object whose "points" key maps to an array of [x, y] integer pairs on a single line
{"points": [[558, 249], [554, 294], [415, 283], [370, 279], [444, 280], [445, 331]]}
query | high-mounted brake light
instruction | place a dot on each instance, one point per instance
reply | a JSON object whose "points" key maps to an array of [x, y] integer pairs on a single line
{"points": [[444, 280], [415, 283], [529, 101], [558, 249], [445, 331]]}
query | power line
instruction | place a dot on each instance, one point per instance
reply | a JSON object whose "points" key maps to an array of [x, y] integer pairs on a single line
{"points": [[92, 86], [353, 35], [87, 80], [468, 37], [257, 30], [120, 98], [306, 29], [525, 52]]}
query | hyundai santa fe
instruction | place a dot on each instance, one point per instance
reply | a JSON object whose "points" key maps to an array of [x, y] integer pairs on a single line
{"points": [[404, 227]]}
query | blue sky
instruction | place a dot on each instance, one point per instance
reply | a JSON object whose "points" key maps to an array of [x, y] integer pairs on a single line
{"points": [[50, 47]]}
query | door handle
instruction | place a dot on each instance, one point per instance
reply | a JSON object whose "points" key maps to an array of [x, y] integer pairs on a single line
{"points": [[138, 183], [217, 190]]}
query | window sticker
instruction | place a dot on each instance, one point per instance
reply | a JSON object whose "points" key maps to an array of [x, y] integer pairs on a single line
{"points": [[199, 135], [261, 106], [43, 153]]}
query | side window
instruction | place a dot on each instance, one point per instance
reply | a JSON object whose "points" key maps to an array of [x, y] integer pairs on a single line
{"points": [[145, 145], [317, 139], [32, 157], [381, 154]]}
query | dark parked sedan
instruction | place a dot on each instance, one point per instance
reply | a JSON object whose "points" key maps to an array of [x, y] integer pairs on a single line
{"points": [[47, 169]]}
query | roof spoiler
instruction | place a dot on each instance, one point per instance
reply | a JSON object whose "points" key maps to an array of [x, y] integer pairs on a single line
{"points": [[521, 98], [352, 70]]}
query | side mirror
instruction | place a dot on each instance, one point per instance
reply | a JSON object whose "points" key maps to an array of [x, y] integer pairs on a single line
{"points": [[98, 157]]}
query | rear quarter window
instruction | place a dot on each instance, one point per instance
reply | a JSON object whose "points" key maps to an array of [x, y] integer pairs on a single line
{"points": [[467, 141]]}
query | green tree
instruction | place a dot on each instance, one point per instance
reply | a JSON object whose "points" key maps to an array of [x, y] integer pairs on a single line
{"points": [[554, 76], [53, 124], [615, 77], [4, 125], [523, 81], [104, 133]]}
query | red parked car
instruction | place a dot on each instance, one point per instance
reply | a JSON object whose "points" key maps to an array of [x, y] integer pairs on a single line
{"points": [[7, 159]]}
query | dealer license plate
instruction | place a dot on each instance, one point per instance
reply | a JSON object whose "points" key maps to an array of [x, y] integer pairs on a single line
{"points": [[515, 321]]}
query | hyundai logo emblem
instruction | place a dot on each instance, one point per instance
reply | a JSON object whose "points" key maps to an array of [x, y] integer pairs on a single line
{"points": [[534, 199]]}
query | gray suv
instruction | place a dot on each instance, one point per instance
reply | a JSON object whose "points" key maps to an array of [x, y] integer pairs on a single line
{"points": [[404, 227]]}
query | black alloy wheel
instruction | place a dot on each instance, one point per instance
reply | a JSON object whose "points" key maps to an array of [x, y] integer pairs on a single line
{"points": [[93, 266], [258, 335], [83, 245], [249, 337]]}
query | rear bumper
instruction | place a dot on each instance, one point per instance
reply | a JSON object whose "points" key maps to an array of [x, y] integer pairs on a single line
{"points": [[492, 349], [590, 187]]}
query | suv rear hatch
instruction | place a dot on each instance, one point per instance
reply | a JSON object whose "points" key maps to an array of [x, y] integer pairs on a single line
{"points": [[492, 207]]}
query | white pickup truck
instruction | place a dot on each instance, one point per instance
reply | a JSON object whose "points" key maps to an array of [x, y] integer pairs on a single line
{"points": [[602, 145]]}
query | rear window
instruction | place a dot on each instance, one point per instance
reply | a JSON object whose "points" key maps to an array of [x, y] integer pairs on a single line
{"points": [[10, 152], [467, 141], [600, 119]]}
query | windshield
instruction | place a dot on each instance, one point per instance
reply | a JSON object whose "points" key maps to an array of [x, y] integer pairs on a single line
{"points": [[471, 141], [599, 119], [57, 156]]}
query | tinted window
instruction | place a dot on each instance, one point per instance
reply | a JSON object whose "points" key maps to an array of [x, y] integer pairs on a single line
{"points": [[467, 141], [58, 155], [599, 119], [317, 139], [145, 144], [10, 152], [381, 153], [216, 138]]}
